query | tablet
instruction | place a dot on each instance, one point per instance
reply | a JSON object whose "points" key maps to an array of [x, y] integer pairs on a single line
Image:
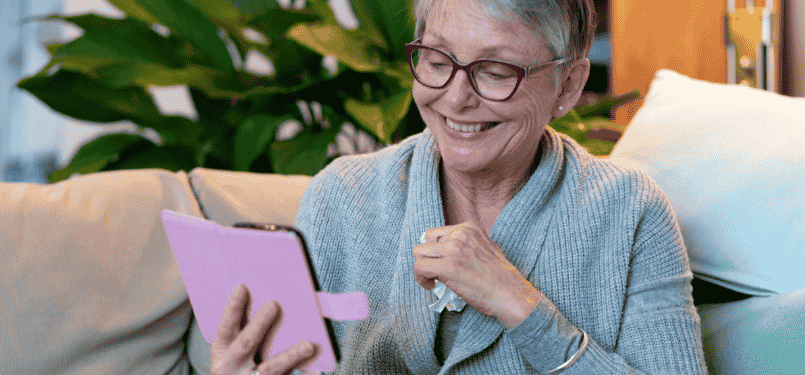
{"points": [[271, 260]]}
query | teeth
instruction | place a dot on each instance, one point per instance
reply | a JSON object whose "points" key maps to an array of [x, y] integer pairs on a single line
{"points": [[465, 128]]}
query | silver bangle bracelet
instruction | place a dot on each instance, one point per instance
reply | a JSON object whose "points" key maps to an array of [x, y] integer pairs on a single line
{"points": [[575, 357]]}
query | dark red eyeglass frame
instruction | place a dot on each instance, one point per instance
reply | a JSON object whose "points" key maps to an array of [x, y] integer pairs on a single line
{"points": [[521, 71]]}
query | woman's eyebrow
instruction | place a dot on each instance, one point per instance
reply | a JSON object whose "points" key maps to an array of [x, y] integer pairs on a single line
{"points": [[493, 51], [439, 42]]}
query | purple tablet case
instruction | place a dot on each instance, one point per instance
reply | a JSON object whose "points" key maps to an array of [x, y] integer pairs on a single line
{"points": [[213, 259]]}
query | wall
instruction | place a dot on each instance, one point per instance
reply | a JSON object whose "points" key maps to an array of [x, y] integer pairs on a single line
{"points": [[29, 131], [687, 36], [795, 45]]}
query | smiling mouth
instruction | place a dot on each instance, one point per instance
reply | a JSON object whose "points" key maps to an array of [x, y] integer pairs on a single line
{"points": [[471, 128]]}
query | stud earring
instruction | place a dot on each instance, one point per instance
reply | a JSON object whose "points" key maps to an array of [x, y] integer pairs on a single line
{"points": [[561, 108]]}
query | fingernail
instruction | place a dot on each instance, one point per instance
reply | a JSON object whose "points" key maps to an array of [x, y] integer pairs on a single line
{"points": [[240, 289], [307, 348]]}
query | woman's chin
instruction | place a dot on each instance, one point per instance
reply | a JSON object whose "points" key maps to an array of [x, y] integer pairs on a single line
{"points": [[465, 160], [466, 155]]}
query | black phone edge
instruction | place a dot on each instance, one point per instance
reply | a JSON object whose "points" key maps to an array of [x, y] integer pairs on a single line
{"points": [[279, 227]]}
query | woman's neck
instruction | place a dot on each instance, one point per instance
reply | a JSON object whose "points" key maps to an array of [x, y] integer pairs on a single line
{"points": [[480, 197]]}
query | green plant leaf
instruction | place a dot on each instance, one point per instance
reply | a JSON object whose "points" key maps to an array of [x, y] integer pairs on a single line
{"points": [[177, 130], [570, 124], [291, 61], [369, 116], [95, 155], [400, 71], [323, 9], [251, 6], [204, 149], [394, 110], [392, 19], [103, 75], [382, 119], [133, 73], [411, 124], [81, 97], [221, 12], [108, 40], [122, 53], [53, 47], [597, 147], [253, 137], [185, 20], [211, 111], [345, 46], [146, 156], [605, 105], [276, 21], [306, 153], [216, 140], [261, 90], [577, 128]]}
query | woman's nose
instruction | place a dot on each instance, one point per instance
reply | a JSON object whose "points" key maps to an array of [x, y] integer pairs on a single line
{"points": [[459, 94]]}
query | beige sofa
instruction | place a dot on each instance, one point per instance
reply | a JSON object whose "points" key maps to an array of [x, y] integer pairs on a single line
{"points": [[89, 284]]}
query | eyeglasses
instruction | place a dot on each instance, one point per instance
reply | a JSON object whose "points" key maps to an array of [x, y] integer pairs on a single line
{"points": [[491, 79]]}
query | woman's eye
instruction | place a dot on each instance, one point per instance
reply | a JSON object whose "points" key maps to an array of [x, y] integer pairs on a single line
{"points": [[438, 65], [496, 76]]}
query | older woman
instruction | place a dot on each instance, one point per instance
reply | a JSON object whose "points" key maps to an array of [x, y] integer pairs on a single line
{"points": [[565, 262]]}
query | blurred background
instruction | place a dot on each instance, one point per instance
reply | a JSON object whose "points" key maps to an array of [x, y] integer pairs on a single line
{"points": [[35, 140]]}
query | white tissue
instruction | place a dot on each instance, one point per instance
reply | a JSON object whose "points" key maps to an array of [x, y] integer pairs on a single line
{"points": [[447, 298]]}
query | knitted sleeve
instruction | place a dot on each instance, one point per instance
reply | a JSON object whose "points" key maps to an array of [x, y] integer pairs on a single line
{"points": [[660, 327]]}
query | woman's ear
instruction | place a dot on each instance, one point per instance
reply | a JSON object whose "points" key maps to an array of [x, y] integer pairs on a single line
{"points": [[571, 85]]}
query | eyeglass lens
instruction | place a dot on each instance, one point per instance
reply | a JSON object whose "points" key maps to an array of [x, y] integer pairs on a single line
{"points": [[493, 80]]}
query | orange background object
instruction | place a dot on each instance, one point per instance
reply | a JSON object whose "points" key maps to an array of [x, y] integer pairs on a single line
{"points": [[687, 36]]}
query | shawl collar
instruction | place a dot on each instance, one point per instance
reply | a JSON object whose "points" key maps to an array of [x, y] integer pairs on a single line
{"points": [[416, 324], [523, 221]]}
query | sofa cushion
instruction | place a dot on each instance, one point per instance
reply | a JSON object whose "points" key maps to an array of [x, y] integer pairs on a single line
{"points": [[88, 281], [731, 159], [758, 335], [230, 197]]}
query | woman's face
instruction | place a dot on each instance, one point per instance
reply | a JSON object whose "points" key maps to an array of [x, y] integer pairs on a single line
{"points": [[459, 28]]}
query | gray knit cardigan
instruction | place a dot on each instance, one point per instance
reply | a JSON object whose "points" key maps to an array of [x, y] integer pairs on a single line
{"points": [[598, 240]]}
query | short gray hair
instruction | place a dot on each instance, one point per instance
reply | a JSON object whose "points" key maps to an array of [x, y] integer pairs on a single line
{"points": [[568, 26]]}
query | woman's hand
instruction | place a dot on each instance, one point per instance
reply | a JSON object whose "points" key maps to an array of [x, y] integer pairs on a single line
{"points": [[465, 259], [234, 348]]}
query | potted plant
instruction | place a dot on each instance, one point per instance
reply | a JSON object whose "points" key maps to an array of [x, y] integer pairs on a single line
{"points": [[104, 77]]}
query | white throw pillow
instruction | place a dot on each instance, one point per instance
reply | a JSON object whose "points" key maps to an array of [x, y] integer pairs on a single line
{"points": [[731, 159]]}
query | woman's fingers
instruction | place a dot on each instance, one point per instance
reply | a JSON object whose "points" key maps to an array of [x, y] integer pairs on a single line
{"points": [[252, 335], [288, 360], [425, 272], [236, 344], [233, 316], [459, 231], [429, 250], [434, 234]]}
